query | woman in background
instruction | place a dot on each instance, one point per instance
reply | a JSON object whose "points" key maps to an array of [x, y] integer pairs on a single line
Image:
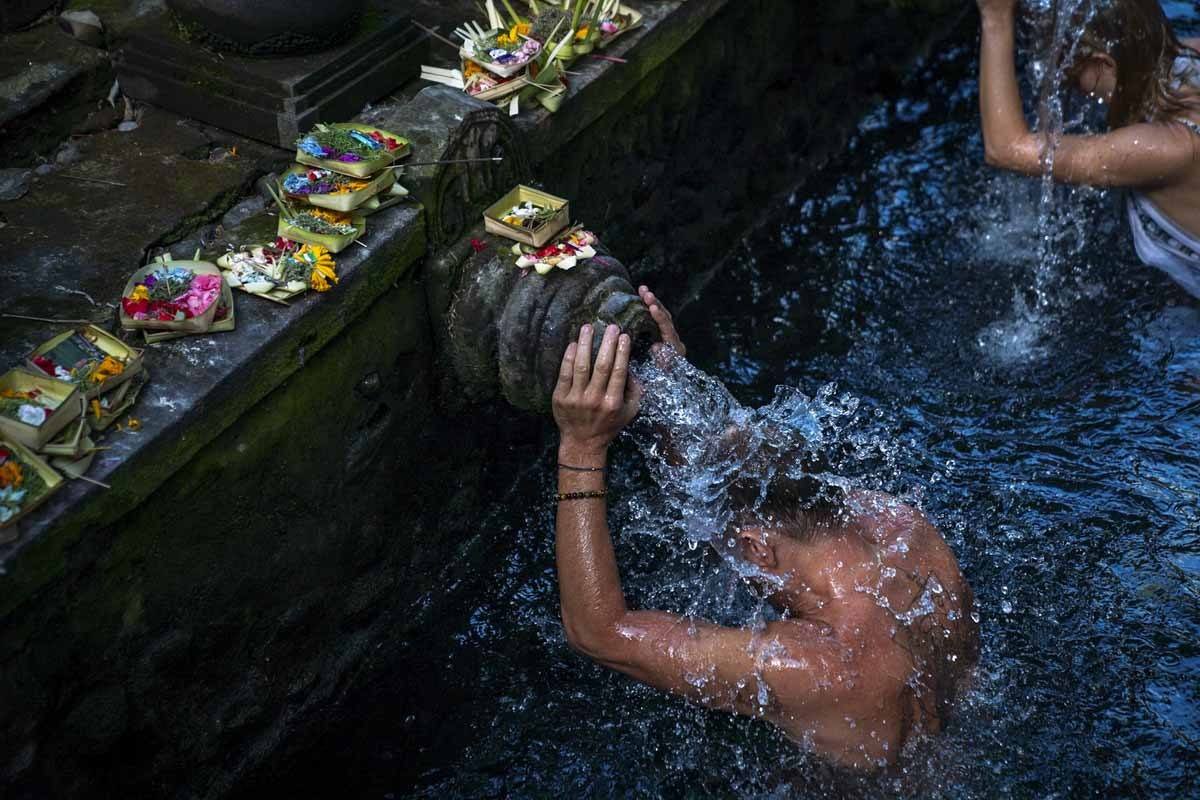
{"points": [[1130, 60]]}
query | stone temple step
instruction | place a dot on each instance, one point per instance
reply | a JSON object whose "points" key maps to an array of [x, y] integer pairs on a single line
{"points": [[271, 100]]}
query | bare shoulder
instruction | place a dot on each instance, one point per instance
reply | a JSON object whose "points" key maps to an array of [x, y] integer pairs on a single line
{"points": [[882, 515], [807, 652]]}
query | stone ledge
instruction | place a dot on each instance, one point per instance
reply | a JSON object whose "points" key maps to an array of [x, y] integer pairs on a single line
{"points": [[227, 374], [282, 335], [201, 385]]}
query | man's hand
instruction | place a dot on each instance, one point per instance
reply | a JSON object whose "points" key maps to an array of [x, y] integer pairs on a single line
{"points": [[592, 405], [666, 323]]}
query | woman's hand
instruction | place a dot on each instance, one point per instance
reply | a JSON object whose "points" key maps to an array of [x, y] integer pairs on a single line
{"points": [[592, 405], [992, 8], [666, 323]]}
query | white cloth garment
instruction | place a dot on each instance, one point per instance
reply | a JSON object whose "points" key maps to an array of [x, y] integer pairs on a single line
{"points": [[1160, 241]]}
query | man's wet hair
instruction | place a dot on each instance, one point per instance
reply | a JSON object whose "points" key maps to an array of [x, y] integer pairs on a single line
{"points": [[799, 507]]}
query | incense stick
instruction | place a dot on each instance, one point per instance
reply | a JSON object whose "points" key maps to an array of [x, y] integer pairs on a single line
{"points": [[92, 481], [85, 178], [448, 161], [54, 321], [436, 35], [613, 59]]}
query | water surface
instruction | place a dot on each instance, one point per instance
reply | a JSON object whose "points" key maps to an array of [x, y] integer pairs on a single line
{"points": [[1051, 437]]}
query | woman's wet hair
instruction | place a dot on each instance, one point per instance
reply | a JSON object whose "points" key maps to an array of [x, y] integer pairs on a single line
{"points": [[1137, 35]]}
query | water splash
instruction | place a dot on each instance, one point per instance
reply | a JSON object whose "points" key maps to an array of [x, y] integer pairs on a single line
{"points": [[716, 460], [1052, 30]]}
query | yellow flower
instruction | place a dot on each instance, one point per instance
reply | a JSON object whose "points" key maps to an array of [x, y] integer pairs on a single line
{"points": [[318, 283], [350, 186], [108, 368], [336, 217], [514, 34], [324, 268], [140, 292], [582, 33]]}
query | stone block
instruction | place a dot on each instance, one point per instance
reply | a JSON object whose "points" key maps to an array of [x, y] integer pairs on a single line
{"points": [[49, 83], [272, 100], [16, 14], [445, 124]]}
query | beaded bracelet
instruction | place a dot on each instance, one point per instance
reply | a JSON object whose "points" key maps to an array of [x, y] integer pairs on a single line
{"points": [[582, 469], [596, 495]]}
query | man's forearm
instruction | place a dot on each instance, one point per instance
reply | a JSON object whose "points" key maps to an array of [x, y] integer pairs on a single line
{"points": [[588, 578]]}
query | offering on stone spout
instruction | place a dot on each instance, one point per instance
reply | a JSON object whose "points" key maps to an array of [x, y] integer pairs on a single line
{"points": [[528, 215], [565, 253]]}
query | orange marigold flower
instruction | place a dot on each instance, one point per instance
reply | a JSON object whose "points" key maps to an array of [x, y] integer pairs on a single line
{"points": [[11, 475], [108, 368]]}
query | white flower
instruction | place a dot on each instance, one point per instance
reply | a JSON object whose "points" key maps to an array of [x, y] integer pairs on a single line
{"points": [[32, 415]]}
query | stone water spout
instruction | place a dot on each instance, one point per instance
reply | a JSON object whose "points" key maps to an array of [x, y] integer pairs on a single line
{"points": [[508, 330]]}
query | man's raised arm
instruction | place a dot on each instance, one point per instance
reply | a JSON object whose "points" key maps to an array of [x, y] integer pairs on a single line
{"points": [[733, 669]]}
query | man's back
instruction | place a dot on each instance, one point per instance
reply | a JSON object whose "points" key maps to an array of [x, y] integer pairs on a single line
{"points": [[895, 628]]}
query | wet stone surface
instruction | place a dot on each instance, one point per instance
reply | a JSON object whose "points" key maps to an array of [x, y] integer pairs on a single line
{"points": [[38, 63], [73, 240]]}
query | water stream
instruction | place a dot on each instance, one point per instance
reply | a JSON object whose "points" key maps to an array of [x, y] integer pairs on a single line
{"points": [[978, 344]]}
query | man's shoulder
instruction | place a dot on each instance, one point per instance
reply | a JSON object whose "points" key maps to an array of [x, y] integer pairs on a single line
{"points": [[797, 646]]}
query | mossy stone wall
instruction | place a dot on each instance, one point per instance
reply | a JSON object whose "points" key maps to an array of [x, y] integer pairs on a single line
{"points": [[232, 623]]}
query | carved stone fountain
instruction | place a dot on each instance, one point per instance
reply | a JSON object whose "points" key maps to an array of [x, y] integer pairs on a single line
{"points": [[507, 330], [269, 69]]}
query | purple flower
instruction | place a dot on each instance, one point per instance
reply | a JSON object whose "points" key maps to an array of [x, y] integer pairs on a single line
{"points": [[349, 158], [149, 281]]}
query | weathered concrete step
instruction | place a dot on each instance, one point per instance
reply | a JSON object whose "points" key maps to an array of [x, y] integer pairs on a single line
{"points": [[73, 240], [49, 83]]}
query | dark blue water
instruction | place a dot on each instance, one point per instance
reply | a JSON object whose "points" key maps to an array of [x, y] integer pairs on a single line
{"points": [[1054, 446]]}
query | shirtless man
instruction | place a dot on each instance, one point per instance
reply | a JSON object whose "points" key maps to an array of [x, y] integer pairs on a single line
{"points": [[877, 634]]}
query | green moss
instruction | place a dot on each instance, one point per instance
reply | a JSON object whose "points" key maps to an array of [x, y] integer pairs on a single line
{"points": [[373, 19]]}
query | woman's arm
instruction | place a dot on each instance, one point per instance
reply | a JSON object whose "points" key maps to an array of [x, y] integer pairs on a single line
{"points": [[1004, 126], [1144, 156]]}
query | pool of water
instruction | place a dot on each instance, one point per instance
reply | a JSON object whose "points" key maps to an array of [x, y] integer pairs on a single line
{"points": [[1052, 440]]}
